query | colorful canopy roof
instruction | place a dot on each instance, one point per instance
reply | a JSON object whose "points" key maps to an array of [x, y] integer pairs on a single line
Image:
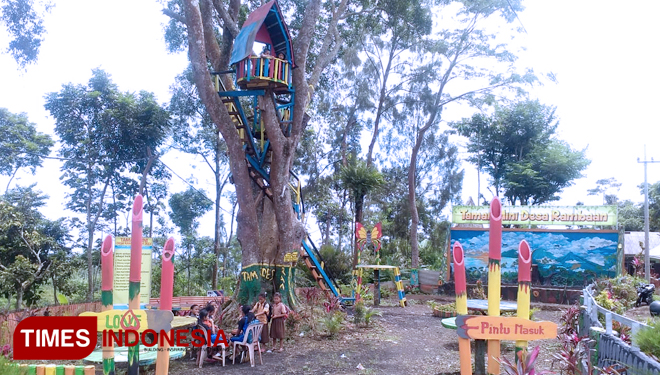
{"points": [[266, 24]]}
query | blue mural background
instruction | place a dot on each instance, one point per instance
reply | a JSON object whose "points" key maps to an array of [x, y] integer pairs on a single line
{"points": [[564, 258]]}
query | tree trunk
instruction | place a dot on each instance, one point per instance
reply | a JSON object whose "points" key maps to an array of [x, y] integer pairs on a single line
{"points": [[19, 299], [381, 100], [57, 302], [90, 243], [412, 203], [359, 202], [218, 215]]}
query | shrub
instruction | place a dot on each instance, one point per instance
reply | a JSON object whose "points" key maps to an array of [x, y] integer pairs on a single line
{"points": [[648, 340], [358, 313], [607, 300], [370, 313], [333, 323], [570, 320], [8, 367], [524, 365]]}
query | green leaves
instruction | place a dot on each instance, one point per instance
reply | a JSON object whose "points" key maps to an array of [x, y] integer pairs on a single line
{"points": [[21, 146], [517, 148], [24, 24]]}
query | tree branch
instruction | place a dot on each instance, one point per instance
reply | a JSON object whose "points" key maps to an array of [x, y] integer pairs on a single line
{"points": [[174, 16], [228, 22]]}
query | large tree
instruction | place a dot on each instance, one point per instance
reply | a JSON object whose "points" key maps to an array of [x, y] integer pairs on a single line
{"points": [[105, 135], [518, 148], [266, 229], [21, 146]]}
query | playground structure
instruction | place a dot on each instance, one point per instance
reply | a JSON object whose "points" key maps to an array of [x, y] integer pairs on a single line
{"points": [[492, 327], [362, 241]]}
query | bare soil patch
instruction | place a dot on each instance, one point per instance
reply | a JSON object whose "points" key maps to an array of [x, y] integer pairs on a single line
{"points": [[403, 340]]}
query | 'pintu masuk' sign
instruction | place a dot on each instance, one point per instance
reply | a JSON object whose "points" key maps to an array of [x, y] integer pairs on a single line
{"points": [[538, 215], [503, 328]]}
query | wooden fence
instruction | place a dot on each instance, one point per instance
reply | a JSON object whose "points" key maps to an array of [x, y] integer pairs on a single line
{"points": [[9, 321]]}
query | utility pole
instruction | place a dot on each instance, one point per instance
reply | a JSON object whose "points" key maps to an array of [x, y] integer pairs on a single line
{"points": [[647, 251]]}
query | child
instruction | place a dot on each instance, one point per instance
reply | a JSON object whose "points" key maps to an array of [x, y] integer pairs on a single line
{"points": [[261, 310], [277, 321], [194, 311], [208, 325], [246, 318]]}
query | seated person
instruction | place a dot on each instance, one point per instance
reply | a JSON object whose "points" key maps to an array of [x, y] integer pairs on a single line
{"points": [[247, 318], [207, 324]]}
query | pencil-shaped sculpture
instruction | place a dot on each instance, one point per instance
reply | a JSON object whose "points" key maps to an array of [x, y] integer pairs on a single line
{"points": [[524, 285], [464, 353], [494, 278], [107, 265], [135, 276], [166, 295]]}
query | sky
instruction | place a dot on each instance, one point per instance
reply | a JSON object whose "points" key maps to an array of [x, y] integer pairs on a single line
{"points": [[602, 53]]}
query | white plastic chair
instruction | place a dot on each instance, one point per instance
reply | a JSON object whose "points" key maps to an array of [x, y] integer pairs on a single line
{"points": [[202, 355], [255, 329]]}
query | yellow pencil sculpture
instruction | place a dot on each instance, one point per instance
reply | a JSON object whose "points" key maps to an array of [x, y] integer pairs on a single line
{"points": [[524, 285]]}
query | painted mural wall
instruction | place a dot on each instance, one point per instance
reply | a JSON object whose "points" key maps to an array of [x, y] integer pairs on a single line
{"points": [[564, 258]]}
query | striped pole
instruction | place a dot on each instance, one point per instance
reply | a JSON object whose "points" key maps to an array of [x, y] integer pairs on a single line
{"points": [[494, 278], [134, 279], [107, 265], [166, 295], [399, 287], [358, 271], [524, 285], [464, 353]]}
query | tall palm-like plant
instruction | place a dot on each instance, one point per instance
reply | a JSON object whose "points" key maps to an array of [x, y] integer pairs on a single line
{"points": [[360, 179]]}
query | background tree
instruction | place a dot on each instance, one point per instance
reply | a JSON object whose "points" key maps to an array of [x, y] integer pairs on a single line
{"points": [[21, 146], [194, 133], [105, 134], [23, 20], [608, 187], [631, 216], [518, 148], [187, 208], [28, 242]]}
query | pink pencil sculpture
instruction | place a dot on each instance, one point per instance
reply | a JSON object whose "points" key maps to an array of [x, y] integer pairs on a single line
{"points": [[134, 279], [494, 278], [107, 265], [166, 295], [460, 286]]}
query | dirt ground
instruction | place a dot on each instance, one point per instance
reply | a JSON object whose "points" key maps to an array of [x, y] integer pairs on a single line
{"points": [[403, 340]]}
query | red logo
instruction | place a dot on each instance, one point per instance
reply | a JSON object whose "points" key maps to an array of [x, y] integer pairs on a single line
{"points": [[55, 338]]}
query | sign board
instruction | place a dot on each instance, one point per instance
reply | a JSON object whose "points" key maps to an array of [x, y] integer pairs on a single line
{"points": [[138, 320], [122, 268], [291, 257], [538, 215], [480, 327]]}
